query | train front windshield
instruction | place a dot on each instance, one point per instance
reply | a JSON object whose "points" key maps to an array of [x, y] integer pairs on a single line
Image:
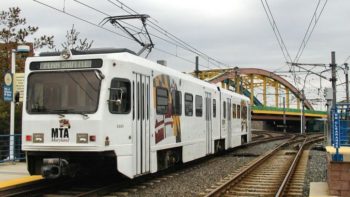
{"points": [[63, 92]]}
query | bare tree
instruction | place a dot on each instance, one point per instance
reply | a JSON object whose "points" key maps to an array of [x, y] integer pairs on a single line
{"points": [[74, 42], [14, 31]]}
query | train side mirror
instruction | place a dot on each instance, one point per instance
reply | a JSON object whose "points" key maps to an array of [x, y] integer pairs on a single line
{"points": [[120, 92]]}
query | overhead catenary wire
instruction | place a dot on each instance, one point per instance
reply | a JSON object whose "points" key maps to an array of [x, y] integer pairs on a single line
{"points": [[138, 30], [313, 22], [346, 60], [111, 31], [276, 31], [81, 19], [131, 27], [171, 36], [181, 44], [278, 37]]}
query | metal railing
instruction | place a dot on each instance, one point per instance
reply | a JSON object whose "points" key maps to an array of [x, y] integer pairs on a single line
{"points": [[269, 108], [11, 154], [344, 132]]}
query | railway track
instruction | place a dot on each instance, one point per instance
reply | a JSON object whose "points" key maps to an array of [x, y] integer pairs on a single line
{"points": [[112, 186], [276, 173]]}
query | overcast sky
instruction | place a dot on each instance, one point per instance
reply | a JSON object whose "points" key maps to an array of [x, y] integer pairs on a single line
{"points": [[235, 32]]}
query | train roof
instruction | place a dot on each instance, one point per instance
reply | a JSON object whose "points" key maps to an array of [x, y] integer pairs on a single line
{"points": [[164, 69], [130, 56], [90, 52]]}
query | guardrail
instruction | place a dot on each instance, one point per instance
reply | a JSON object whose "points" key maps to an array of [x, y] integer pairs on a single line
{"points": [[268, 108], [7, 153]]}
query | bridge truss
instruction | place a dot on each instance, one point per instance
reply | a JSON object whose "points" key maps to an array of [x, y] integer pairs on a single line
{"points": [[260, 85]]}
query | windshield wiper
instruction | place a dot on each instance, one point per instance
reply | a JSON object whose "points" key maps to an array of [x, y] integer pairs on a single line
{"points": [[59, 112], [85, 116], [62, 112]]}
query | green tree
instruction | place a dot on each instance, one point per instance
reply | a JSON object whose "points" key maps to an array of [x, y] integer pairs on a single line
{"points": [[14, 31]]}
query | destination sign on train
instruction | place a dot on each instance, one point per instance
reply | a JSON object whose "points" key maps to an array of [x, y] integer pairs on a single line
{"points": [[75, 64]]}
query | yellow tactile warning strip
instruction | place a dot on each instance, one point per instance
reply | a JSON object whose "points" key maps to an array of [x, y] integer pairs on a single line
{"points": [[19, 181], [344, 150]]}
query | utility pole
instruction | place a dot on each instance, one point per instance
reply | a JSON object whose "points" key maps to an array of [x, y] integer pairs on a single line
{"points": [[347, 82], [237, 81], [303, 120], [197, 67], [333, 66], [284, 115]]}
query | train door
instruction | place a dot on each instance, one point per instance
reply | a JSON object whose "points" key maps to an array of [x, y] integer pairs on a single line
{"points": [[142, 122], [208, 120], [229, 122]]}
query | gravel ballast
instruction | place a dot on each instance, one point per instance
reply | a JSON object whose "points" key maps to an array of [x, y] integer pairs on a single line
{"points": [[316, 169], [195, 181], [199, 177]]}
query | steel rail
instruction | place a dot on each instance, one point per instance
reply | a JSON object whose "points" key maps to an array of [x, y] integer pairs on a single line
{"points": [[219, 191], [226, 185], [291, 170]]}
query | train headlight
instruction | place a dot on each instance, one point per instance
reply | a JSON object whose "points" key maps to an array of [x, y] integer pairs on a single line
{"points": [[82, 138], [38, 138], [65, 54]]}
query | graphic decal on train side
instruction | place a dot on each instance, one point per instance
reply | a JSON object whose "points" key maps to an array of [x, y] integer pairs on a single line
{"points": [[166, 125], [244, 116]]}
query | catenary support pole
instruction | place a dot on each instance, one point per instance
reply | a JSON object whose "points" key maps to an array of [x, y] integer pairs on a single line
{"points": [[197, 67], [284, 115], [333, 66], [347, 81], [334, 79], [302, 113]]}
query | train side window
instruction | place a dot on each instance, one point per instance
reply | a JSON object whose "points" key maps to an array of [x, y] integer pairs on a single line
{"points": [[120, 96], [199, 106], [188, 104], [176, 99], [234, 112], [214, 108], [238, 111], [162, 100], [224, 109]]}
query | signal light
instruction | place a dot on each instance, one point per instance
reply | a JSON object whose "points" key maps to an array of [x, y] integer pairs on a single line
{"points": [[92, 138], [28, 138]]}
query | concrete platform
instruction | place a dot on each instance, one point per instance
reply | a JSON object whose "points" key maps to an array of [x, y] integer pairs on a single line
{"points": [[15, 173], [13, 170], [318, 189]]}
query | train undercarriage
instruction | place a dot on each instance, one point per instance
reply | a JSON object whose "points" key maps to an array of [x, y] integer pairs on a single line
{"points": [[53, 165]]}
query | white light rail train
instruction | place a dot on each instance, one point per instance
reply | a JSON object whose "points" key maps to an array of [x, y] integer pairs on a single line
{"points": [[109, 110]]}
